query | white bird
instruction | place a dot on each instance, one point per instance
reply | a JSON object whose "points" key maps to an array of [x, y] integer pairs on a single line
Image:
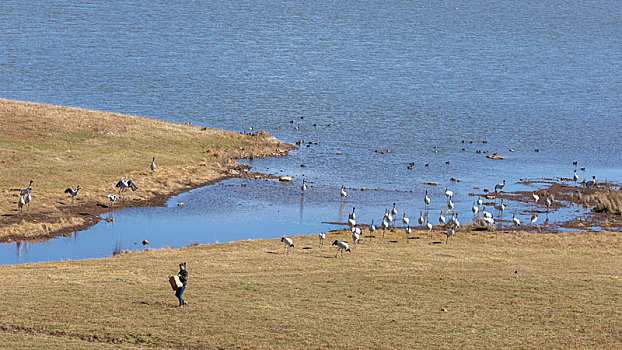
{"points": [[304, 186], [389, 217], [20, 203], [341, 246], [535, 197], [27, 200], [343, 192], [385, 226], [448, 193], [515, 220], [499, 186], [450, 233], [27, 189], [426, 199], [372, 229], [288, 244], [112, 198], [480, 202], [489, 221], [356, 235], [474, 209], [73, 192], [405, 220], [534, 218], [322, 236], [441, 219], [408, 232], [450, 204], [153, 164], [575, 177], [485, 213], [394, 211], [591, 182]]}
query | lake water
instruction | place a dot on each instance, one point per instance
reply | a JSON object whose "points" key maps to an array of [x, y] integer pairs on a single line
{"points": [[400, 75]]}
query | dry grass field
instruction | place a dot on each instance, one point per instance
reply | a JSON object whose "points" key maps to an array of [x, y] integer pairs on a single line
{"points": [[482, 290], [58, 147]]}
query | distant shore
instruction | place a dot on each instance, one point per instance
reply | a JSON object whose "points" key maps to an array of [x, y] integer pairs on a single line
{"points": [[59, 147]]}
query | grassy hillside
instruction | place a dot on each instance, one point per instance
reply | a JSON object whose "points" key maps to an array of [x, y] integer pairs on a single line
{"points": [[493, 290], [58, 147]]}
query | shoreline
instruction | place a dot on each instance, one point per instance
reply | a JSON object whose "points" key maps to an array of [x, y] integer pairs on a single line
{"points": [[205, 156]]}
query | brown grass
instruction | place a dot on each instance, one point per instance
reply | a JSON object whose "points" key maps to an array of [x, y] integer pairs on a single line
{"points": [[58, 147], [609, 201], [499, 290]]}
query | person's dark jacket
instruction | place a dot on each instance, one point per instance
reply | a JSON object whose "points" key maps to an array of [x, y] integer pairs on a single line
{"points": [[183, 276]]}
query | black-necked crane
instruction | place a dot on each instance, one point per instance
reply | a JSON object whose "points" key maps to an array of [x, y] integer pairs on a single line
{"points": [[450, 233], [448, 194], [341, 246], [153, 164], [405, 220], [534, 218], [426, 199], [27, 189], [356, 235], [441, 219], [304, 186], [485, 213], [450, 204], [549, 202], [480, 202], [591, 182], [420, 220], [28, 199], [515, 220], [408, 231], [372, 229], [535, 197], [499, 186], [394, 210], [322, 237], [343, 193], [20, 203], [454, 220], [352, 215], [112, 198], [575, 177], [288, 243], [428, 225], [385, 226], [73, 192], [123, 184], [475, 209]]}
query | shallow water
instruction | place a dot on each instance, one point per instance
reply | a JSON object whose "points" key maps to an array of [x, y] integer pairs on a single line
{"points": [[402, 76]]}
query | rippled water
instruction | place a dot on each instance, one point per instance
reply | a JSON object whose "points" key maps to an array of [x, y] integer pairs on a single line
{"points": [[405, 76]]}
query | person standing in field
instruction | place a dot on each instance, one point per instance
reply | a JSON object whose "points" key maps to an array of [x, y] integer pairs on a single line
{"points": [[183, 278]]}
